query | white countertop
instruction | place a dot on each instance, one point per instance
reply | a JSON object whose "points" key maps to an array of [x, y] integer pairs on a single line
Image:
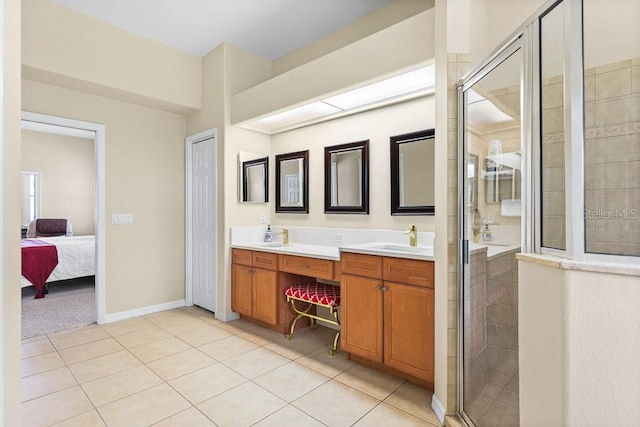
{"points": [[492, 250], [333, 253], [392, 250]]}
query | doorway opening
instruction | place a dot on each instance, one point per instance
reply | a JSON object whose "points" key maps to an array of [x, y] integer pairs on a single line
{"points": [[79, 271]]}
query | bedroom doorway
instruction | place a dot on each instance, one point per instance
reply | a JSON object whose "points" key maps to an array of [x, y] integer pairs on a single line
{"points": [[201, 219], [59, 126]]}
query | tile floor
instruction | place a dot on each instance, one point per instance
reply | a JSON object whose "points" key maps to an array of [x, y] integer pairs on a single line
{"points": [[184, 368]]}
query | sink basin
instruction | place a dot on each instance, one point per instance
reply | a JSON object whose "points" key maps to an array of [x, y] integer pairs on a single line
{"points": [[401, 248], [275, 244]]}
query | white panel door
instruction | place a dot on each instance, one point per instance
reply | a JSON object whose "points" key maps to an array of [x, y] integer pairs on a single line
{"points": [[204, 224]]}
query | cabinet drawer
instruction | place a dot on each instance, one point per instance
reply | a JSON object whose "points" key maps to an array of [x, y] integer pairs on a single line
{"points": [[362, 265], [409, 271], [241, 256], [312, 267], [265, 260]]}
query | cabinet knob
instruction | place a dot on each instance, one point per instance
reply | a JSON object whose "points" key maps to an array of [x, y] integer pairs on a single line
{"points": [[384, 289], [378, 287]]}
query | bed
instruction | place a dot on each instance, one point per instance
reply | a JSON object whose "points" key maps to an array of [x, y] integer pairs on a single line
{"points": [[76, 257]]}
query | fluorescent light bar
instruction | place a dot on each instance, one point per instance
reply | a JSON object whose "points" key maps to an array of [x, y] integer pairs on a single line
{"points": [[403, 84], [295, 115], [401, 87]]}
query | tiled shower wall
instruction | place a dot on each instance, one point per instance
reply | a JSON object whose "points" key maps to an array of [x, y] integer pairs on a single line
{"points": [[491, 331], [475, 333], [612, 159]]}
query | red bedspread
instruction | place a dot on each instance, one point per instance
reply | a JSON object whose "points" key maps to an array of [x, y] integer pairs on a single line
{"points": [[38, 261]]}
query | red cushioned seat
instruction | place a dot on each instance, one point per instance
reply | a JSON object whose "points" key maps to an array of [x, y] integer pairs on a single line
{"points": [[316, 293]]}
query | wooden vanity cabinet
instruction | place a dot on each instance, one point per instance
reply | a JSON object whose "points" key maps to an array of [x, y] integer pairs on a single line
{"points": [[387, 312], [254, 285]]}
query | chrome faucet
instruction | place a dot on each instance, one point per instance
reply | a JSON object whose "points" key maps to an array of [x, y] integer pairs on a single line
{"points": [[413, 235], [285, 236]]}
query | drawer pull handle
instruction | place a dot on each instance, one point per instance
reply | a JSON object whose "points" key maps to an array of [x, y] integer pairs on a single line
{"points": [[304, 266]]}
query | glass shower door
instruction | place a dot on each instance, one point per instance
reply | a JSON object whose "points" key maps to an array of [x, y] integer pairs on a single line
{"points": [[490, 186]]}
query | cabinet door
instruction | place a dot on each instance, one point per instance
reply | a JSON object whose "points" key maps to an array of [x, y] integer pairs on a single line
{"points": [[361, 309], [265, 296], [241, 289], [408, 329]]}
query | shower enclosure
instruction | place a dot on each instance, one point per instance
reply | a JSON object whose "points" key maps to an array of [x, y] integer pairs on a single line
{"points": [[491, 200], [549, 163]]}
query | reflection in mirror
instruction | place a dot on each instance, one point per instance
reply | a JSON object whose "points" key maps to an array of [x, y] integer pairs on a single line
{"points": [[472, 182], [412, 173], [292, 182], [253, 177], [346, 178]]}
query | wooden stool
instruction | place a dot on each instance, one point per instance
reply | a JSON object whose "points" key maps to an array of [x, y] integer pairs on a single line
{"points": [[315, 294]]}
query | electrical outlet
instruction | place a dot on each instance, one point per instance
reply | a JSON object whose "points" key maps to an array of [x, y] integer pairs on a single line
{"points": [[339, 238], [121, 218], [263, 219]]}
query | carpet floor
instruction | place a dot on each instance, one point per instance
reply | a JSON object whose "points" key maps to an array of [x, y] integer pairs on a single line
{"points": [[69, 304]]}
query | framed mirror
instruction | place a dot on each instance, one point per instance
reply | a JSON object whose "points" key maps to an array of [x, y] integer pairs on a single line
{"points": [[346, 178], [253, 177], [292, 182], [412, 173]]}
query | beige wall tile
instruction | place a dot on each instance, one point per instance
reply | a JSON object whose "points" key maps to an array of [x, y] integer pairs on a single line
{"points": [[611, 150], [635, 79], [613, 83], [634, 115], [552, 95], [612, 111]]}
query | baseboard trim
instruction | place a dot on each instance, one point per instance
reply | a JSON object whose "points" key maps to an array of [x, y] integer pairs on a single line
{"points": [[122, 315], [228, 317], [438, 409]]}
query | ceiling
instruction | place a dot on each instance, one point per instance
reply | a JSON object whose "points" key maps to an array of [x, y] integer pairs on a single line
{"points": [[267, 28]]}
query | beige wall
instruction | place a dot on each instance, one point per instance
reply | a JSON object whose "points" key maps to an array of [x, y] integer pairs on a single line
{"points": [[145, 177], [401, 47], [377, 126], [572, 323], [67, 177], [66, 48], [377, 20], [10, 218]]}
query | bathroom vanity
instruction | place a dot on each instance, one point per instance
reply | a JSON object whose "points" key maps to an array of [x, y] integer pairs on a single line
{"points": [[387, 302]]}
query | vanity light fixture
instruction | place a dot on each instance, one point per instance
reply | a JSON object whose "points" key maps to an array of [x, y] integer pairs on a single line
{"points": [[403, 87]]}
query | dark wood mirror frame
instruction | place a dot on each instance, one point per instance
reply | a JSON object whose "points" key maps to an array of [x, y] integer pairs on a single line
{"points": [[363, 208], [245, 174], [394, 145], [304, 155]]}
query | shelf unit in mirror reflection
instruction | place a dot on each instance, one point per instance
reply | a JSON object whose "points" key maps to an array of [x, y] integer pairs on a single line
{"points": [[292, 182]]}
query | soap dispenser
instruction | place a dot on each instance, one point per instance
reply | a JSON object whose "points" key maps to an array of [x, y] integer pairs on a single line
{"points": [[268, 235], [485, 235]]}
